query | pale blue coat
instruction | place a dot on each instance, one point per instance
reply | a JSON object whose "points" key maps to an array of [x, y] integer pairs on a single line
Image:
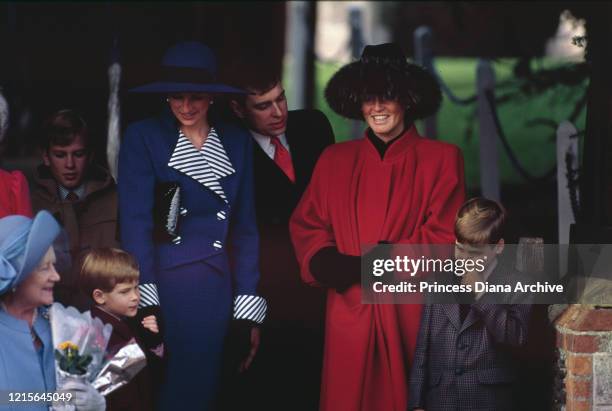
{"points": [[20, 367]]}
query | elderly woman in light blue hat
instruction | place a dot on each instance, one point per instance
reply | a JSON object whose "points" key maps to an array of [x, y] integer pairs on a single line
{"points": [[202, 270], [27, 278]]}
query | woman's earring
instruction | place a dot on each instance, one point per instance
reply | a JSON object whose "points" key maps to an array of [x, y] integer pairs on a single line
{"points": [[212, 101], [167, 100]]}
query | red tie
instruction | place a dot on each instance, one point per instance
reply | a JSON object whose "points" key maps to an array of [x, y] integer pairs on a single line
{"points": [[282, 158]]}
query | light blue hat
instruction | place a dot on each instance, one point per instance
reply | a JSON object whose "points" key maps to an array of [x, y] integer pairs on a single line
{"points": [[23, 244]]}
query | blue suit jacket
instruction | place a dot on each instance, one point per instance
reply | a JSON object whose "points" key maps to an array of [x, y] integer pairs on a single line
{"points": [[143, 161]]}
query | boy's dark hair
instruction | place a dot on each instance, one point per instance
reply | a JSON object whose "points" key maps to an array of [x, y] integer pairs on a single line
{"points": [[62, 128], [480, 221]]}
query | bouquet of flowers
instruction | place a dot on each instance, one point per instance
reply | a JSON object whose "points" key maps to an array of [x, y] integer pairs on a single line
{"points": [[80, 346], [80, 343], [69, 360]]}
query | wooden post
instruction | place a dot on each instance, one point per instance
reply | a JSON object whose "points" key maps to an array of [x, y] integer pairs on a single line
{"points": [[423, 55], [114, 112], [530, 255], [566, 143], [301, 52], [489, 159], [4, 115], [596, 174], [357, 43]]}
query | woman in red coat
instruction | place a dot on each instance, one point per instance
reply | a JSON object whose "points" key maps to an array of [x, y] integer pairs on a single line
{"points": [[392, 186]]}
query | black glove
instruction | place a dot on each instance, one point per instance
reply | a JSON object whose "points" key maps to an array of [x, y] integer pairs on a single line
{"points": [[148, 338], [334, 269], [340, 271]]}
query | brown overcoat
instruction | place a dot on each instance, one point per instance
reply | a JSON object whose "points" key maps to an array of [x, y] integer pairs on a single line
{"points": [[90, 222]]}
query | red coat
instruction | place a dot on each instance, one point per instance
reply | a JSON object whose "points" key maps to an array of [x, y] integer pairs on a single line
{"points": [[14, 194], [355, 198]]}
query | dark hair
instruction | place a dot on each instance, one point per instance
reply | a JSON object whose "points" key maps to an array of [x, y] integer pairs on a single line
{"points": [[480, 221], [62, 128], [255, 74]]}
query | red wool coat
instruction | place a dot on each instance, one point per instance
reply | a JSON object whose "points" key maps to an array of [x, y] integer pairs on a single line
{"points": [[14, 194], [355, 198]]}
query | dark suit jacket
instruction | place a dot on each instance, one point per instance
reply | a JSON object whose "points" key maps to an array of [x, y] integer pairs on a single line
{"points": [[286, 372], [308, 133], [470, 365]]}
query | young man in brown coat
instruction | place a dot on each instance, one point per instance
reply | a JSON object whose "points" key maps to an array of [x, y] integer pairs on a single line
{"points": [[79, 194]]}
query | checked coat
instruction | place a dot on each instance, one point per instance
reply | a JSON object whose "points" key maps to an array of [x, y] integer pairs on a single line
{"points": [[469, 365]]}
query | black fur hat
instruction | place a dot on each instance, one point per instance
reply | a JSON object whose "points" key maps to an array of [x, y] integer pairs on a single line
{"points": [[383, 72]]}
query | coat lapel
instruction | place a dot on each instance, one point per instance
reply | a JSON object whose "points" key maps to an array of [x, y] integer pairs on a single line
{"points": [[121, 331], [207, 166], [295, 139], [270, 165], [470, 319], [452, 312]]}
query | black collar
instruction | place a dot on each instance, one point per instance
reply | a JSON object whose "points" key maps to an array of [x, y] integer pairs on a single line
{"points": [[380, 145]]}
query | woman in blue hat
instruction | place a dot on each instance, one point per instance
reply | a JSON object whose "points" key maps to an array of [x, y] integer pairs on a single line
{"points": [[186, 213], [27, 277]]}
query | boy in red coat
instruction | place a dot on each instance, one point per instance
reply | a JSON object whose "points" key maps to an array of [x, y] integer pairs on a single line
{"points": [[392, 186], [110, 277]]}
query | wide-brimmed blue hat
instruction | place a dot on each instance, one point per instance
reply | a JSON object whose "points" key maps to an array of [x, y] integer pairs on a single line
{"points": [[188, 67], [23, 244]]}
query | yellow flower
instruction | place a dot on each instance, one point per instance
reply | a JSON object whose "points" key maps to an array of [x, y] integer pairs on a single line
{"points": [[68, 345]]}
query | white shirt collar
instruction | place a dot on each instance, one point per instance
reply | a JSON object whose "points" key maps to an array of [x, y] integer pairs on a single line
{"points": [[267, 146]]}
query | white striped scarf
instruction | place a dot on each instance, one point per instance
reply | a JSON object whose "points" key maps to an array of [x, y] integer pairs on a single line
{"points": [[207, 165]]}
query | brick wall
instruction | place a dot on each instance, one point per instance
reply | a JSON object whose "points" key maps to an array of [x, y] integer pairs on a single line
{"points": [[584, 367]]}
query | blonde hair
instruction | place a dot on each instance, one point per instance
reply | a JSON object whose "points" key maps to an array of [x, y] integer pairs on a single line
{"points": [[480, 221], [104, 268]]}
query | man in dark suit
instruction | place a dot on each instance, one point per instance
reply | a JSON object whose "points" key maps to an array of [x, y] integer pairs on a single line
{"points": [[286, 372]]}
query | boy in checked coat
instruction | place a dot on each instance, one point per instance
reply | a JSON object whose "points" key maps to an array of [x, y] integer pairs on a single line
{"points": [[464, 357]]}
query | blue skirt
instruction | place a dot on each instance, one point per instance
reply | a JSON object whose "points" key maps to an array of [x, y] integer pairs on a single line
{"points": [[196, 302]]}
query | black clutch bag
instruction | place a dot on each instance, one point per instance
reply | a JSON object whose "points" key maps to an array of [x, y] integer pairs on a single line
{"points": [[166, 213]]}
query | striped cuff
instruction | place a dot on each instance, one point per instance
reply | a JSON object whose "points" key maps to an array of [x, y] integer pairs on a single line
{"points": [[250, 307], [148, 295]]}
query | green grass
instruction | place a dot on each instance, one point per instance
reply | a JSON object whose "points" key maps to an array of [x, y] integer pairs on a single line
{"points": [[534, 145]]}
